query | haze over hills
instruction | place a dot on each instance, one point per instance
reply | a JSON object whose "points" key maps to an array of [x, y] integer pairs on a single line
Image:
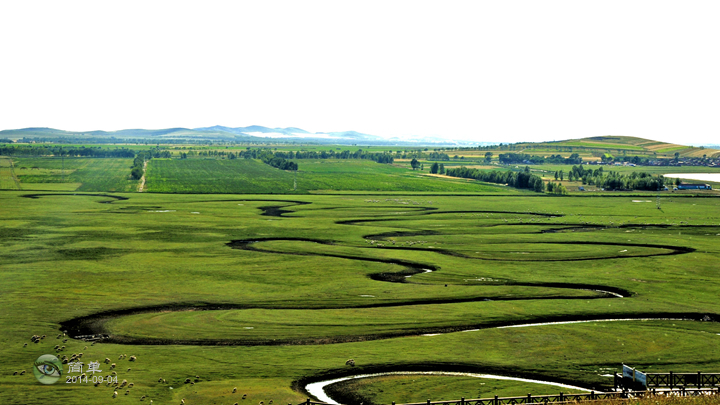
{"points": [[293, 135], [253, 133]]}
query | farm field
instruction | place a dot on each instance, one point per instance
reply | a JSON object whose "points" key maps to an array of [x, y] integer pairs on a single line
{"points": [[267, 293], [253, 176], [7, 177], [79, 174]]}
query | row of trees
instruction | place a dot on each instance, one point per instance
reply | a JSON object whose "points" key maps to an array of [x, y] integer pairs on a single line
{"points": [[56, 150], [523, 179], [513, 158], [138, 168], [616, 181]]}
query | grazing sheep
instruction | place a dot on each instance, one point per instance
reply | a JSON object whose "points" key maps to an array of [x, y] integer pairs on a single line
{"points": [[133, 358], [115, 394], [127, 392], [22, 372], [129, 369], [235, 403], [350, 362], [25, 345], [234, 390], [244, 396], [65, 340], [15, 373], [107, 360], [142, 398], [182, 401], [112, 366], [160, 380], [187, 381], [131, 385]]}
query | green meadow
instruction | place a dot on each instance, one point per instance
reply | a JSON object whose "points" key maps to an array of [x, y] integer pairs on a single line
{"points": [[253, 176], [265, 293]]}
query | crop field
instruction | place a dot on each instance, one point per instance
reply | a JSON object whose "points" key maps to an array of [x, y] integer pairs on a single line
{"points": [[268, 293], [74, 174], [253, 176], [8, 181]]}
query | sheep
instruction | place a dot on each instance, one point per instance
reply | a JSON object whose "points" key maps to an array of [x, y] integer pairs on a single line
{"points": [[25, 345], [129, 369], [127, 392], [350, 362], [107, 360], [244, 396], [182, 401], [131, 385], [112, 366], [15, 373], [234, 390], [187, 381], [142, 398], [115, 394], [22, 372], [160, 380], [133, 358]]}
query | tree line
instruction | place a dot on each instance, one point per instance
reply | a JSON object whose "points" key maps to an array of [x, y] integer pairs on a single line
{"points": [[523, 179], [513, 158], [56, 150]]}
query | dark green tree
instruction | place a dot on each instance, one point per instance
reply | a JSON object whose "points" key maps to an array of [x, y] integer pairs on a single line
{"points": [[414, 164]]}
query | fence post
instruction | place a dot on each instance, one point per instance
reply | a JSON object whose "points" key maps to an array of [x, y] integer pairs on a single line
{"points": [[683, 391], [698, 380], [592, 395], [308, 401], [561, 397], [615, 381], [671, 380], [462, 401], [529, 400], [428, 401], [496, 400]]}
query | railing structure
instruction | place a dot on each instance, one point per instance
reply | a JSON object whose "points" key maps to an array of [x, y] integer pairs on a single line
{"points": [[671, 380], [561, 398]]}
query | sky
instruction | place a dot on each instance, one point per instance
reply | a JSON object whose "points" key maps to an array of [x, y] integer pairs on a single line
{"points": [[485, 71]]}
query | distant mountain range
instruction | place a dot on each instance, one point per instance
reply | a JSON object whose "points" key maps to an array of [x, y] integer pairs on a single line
{"points": [[253, 133]]}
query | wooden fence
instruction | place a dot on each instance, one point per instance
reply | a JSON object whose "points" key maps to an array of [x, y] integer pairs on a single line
{"points": [[668, 380], [561, 398]]}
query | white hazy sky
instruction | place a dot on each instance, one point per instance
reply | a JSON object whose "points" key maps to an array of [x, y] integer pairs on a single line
{"points": [[486, 71]]}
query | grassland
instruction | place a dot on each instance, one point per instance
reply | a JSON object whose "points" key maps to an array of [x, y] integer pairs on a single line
{"points": [[323, 278], [75, 174], [8, 181], [252, 176]]}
